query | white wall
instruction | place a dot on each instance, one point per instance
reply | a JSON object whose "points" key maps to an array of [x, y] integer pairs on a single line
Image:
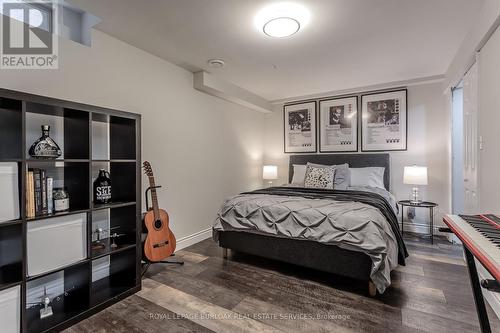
{"points": [[202, 149], [489, 116], [428, 144]]}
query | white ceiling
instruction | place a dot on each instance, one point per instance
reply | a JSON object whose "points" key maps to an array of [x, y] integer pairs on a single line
{"points": [[347, 44]]}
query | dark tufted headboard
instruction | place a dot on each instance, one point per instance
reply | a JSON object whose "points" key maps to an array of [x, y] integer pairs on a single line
{"points": [[354, 161]]}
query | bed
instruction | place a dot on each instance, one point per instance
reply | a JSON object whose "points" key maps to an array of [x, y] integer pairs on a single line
{"points": [[368, 249]]}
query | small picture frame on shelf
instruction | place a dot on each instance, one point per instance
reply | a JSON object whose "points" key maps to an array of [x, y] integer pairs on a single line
{"points": [[338, 125], [384, 121], [300, 127]]}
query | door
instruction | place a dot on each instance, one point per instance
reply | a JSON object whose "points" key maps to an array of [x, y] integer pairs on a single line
{"points": [[457, 148], [470, 123]]}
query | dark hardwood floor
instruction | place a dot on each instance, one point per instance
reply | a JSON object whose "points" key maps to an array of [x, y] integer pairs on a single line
{"points": [[250, 294]]}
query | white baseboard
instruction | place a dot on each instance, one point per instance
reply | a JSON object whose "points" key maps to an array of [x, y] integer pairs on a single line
{"points": [[187, 241]]}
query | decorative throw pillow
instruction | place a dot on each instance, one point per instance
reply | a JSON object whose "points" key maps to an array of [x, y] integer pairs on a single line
{"points": [[319, 177], [342, 175]]}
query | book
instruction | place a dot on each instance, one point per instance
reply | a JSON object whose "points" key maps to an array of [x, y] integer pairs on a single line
{"points": [[43, 182], [50, 201], [28, 209], [30, 195], [38, 191]]}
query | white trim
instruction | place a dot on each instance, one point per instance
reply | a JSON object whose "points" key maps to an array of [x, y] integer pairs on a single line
{"points": [[186, 241], [359, 90]]}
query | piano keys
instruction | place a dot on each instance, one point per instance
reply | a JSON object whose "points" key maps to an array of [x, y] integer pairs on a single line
{"points": [[480, 235]]}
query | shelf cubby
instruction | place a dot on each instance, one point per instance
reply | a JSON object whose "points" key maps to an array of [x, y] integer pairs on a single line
{"points": [[11, 124], [123, 180], [113, 137], [72, 175], [11, 255], [118, 220], [55, 251], [122, 133], [120, 277], [69, 128], [69, 291]]}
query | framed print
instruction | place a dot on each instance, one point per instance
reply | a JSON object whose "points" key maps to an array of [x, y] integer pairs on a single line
{"points": [[384, 121], [300, 127], [338, 125]]}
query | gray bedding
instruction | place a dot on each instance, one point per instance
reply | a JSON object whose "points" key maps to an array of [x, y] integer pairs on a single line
{"points": [[351, 225]]}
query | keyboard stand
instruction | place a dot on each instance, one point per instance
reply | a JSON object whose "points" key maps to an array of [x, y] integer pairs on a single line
{"points": [[484, 322]]}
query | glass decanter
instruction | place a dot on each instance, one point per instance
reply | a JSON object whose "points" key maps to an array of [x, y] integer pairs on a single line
{"points": [[45, 147]]}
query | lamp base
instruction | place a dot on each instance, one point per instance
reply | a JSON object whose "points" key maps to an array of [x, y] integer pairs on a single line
{"points": [[414, 200]]}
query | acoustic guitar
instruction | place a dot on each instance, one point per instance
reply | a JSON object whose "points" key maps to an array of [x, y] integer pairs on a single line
{"points": [[160, 241]]}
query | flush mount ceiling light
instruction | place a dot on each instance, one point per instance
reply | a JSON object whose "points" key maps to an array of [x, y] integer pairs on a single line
{"points": [[282, 19]]}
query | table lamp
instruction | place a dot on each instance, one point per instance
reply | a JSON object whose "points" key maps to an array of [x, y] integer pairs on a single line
{"points": [[415, 175], [270, 172]]}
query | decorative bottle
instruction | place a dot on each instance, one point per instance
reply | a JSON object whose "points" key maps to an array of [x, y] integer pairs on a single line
{"points": [[45, 147], [102, 188]]}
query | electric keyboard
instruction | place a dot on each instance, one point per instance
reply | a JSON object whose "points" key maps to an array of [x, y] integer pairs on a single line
{"points": [[480, 235]]}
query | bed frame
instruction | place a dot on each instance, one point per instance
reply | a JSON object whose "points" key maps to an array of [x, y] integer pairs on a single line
{"points": [[311, 254]]}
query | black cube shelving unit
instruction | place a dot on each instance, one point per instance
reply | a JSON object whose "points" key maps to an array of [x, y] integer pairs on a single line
{"points": [[117, 147]]}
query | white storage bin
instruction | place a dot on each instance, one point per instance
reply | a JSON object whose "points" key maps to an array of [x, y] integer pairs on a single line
{"points": [[55, 243], [10, 310], [9, 191]]}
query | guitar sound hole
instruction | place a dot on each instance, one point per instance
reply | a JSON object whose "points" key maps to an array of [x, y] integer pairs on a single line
{"points": [[158, 224]]}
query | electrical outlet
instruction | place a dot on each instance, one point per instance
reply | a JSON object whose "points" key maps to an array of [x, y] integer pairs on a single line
{"points": [[410, 213]]}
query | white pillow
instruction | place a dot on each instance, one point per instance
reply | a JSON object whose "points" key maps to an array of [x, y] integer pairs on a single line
{"points": [[299, 174], [372, 176]]}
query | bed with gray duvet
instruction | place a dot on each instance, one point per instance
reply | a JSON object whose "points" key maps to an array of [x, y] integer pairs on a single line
{"points": [[351, 231]]}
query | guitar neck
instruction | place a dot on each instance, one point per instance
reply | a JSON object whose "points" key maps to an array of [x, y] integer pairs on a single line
{"points": [[154, 198]]}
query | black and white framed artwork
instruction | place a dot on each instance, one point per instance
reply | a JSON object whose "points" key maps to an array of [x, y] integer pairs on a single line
{"points": [[384, 121], [300, 127], [338, 125]]}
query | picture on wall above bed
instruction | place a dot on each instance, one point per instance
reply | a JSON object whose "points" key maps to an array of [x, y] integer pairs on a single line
{"points": [[300, 127], [338, 125], [384, 121]]}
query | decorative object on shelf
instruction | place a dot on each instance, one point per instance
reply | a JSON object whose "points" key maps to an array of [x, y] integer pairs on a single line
{"points": [[45, 147], [46, 301], [61, 200], [415, 175], [100, 232], [114, 237], [384, 121], [270, 173], [102, 188], [338, 125], [160, 242], [300, 127], [47, 309]]}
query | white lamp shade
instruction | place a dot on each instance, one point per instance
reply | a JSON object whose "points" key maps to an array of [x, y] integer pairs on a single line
{"points": [[415, 175], [270, 172]]}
